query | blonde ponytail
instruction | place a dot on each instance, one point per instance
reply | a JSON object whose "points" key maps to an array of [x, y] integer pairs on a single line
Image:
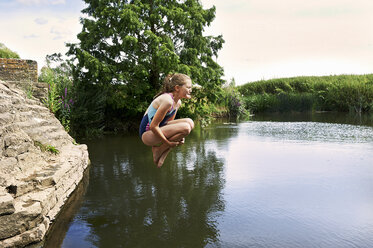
{"points": [[171, 80]]}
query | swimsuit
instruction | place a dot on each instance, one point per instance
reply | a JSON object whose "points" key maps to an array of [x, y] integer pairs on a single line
{"points": [[148, 117]]}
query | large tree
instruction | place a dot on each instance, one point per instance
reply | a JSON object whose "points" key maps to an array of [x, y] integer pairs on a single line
{"points": [[129, 46]]}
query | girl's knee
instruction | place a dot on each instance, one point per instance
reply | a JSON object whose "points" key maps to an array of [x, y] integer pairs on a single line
{"points": [[186, 129], [191, 122]]}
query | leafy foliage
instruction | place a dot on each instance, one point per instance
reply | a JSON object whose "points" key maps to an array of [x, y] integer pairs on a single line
{"points": [[7, 53], [337, 93], [46, 148], [127, 47], [232, 100], [79, 108], [87, 115], [57, 74]]}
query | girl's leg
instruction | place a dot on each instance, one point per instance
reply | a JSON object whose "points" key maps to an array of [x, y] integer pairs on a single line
{"points": [[160, 153], [182, 129], [174, 131], [183, 120]]}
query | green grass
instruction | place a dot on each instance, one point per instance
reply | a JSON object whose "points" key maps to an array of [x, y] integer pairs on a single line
{"points": [[47, 148], [328, 93]]}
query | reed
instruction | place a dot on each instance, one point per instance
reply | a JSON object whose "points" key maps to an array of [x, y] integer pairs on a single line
{"points": [[327, 93]]}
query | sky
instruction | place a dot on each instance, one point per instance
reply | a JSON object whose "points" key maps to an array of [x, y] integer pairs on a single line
{"points": [[264, 39]]}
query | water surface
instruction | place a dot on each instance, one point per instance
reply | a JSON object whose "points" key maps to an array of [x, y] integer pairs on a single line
{"points": [[268, 182]]}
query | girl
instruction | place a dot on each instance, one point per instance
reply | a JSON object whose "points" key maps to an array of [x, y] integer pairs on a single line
{"points": [[158, 127]]}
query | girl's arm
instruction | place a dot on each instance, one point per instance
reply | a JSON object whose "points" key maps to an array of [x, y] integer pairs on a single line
{"points": [[176, 109], [164, 106]]}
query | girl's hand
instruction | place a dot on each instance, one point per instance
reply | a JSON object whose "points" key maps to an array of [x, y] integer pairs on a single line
{"points": [[176, 143], [173, 143]]}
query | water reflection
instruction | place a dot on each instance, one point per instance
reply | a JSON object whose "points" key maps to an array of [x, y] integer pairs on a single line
{"points": [[130, 203], [60, 226], [298, 184], [268, 183]]}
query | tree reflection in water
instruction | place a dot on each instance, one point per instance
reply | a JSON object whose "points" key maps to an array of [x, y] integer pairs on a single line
{"points": [[130, 203]]}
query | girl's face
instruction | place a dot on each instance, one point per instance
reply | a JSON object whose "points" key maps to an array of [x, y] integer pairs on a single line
{"points": [[185, 90]]}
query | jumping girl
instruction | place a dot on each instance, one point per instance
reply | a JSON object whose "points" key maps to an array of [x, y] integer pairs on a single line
{"points": [[158, 127]]}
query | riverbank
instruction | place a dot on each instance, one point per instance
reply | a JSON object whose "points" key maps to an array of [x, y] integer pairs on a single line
{"points": [[40, 166], [342, 93]]}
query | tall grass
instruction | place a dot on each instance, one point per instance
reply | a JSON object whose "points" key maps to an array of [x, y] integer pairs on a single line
{"points": [[79, 107], [328, 93], [60, 89], [231, 103]]}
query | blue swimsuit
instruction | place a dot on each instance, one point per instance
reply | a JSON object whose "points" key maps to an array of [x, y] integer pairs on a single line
{"points": [[148, 117]]}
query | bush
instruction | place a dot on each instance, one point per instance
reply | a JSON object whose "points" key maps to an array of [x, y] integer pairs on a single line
{"points": [[260, 102], [88, 113], [7, 53], [337, 93], [60, 100], [232, 101]]}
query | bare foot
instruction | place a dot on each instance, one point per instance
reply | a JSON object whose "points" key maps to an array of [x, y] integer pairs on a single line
{"points": [[157, 152], [165, 153], [163, 157]]}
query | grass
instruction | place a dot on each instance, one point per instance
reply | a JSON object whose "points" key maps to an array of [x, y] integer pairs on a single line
{"points": [[47, 148], [343, 93]]}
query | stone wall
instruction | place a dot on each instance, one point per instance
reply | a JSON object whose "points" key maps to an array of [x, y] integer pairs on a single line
{"points": [[35, 182], [23, 74], [18, 70]]}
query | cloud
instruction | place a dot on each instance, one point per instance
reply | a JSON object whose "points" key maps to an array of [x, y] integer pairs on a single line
{"points": [[60, 32], [34, 41], [329, 11], [41, 2], [41, 21], [31, 36], [58, 37]]}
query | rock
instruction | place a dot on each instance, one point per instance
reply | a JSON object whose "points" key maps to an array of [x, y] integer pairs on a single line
{"points": [[27, 216], [34, 183], [6, 203]]}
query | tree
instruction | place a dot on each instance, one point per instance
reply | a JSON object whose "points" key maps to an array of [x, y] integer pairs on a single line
{"points": [[128, 47], [7, 53]]}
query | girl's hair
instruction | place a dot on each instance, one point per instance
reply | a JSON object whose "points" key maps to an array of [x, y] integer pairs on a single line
{"points": [[171, 81]]}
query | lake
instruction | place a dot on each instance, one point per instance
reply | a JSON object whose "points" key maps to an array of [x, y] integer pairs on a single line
{"points": [[280, 180]]}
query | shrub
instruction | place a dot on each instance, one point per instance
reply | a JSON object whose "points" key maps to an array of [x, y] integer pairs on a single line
{"points": [[57, 74], [338, 93], [7, 53], [233, 101]]}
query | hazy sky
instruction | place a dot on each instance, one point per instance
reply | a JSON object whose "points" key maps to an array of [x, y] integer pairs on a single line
{"points": [[263, 38]]}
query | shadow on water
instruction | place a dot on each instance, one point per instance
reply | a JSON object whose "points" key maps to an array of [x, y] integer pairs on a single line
{"points": [[58, 229], [130, 203]]}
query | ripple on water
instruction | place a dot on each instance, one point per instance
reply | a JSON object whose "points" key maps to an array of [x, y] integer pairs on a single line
{"points": [[310, 131]]}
